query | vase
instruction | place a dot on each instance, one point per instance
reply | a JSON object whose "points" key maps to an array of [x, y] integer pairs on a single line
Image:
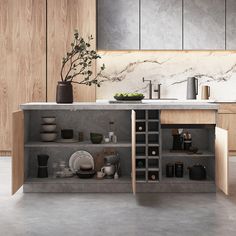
{"points": [[64, 92]]}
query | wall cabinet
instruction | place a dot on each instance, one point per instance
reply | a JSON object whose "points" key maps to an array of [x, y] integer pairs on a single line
{"points": [[165, 24], [118, 24], [161, 24], [204, 24], [230, 24], [144, 146]]}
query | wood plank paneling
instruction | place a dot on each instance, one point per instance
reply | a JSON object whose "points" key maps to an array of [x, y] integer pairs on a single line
{"points": [[222, 160], [17, 150], [227, 108], [228, 122], [188, 117], [64, 16], [22, 60], [133, 161]]}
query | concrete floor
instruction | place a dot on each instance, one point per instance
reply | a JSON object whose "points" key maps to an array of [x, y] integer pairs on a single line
{"points": [[115, 214]]}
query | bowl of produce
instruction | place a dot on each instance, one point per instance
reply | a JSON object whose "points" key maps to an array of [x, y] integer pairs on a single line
{"points": [[96, 138], [129, 96]]}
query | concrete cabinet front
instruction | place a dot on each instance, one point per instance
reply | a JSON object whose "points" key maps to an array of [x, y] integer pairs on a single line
{"points": [[117, 24], [161, 24], [204, 24]]}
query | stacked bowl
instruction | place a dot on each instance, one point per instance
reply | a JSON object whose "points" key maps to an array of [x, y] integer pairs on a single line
{"points": [[48, 133]]}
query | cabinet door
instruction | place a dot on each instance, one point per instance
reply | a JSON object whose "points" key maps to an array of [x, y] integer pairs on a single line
{"points": [[161, 24], [222, 160], [204, 24], [133, 151], [228, 122], [117, 24], [231, 25], [17, 150]]}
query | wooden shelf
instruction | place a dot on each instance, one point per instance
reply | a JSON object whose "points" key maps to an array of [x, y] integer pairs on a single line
{"points": [[202, 153], [77, 144]]}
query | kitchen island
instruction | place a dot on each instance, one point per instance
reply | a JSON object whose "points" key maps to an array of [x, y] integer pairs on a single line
{"points": [[152, 145]]}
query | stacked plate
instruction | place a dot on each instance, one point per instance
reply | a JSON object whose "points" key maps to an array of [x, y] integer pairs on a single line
{"points": [[82, 164]]}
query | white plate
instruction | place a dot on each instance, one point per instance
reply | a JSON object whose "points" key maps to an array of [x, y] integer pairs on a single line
{"points": [[79, 158]]}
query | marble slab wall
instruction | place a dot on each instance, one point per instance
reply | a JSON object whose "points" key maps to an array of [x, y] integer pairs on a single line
{"points": [[125, 70]]}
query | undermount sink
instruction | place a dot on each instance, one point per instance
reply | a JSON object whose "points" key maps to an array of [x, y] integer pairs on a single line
{"points": [[175, 100]]}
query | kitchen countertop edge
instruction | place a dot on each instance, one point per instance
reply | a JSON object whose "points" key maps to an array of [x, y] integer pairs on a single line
{"points": [[131, 106]]}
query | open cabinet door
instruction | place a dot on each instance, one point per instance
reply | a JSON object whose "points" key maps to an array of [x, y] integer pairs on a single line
{"points": [[133, 151], [222, 160], [17, 150]]}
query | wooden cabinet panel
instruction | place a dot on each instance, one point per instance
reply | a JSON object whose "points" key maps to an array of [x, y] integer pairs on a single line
{"points": [[230, 24], [161, 24], [118, 24], [227, 108], [64, 16], [133, 161], [222, 160], [22, 61], [17, 150], [204, 24], [188, 117], [228, 122]]}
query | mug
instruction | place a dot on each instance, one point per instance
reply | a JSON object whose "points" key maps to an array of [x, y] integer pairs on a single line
{"points": [[67, 133], [205, 92], [100, 174]]}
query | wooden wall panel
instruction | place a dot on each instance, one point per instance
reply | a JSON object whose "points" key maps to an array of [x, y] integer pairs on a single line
{"points": [[63, 17], [22, 60]]}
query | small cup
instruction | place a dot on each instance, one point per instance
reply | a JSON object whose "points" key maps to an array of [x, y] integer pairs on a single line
{"points": [[107, 140], [67, 133], [100, 174]]}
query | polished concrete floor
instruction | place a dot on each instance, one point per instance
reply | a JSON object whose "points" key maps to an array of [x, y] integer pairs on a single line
{"points": [[115, 214]]}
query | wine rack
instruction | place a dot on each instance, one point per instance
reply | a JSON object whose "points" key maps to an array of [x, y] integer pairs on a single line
{"points": [[148, 146]]}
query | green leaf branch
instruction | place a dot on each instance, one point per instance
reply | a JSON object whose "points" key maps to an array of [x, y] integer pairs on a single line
{"points": [[78, 62]]}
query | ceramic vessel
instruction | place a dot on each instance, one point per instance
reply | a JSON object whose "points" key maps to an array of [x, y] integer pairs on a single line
{"points": [[64, 92]]}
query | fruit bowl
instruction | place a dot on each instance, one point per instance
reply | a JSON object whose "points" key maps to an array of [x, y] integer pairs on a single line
{"points": [[129, 96]]}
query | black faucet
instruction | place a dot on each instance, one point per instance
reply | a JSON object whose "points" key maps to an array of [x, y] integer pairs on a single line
{"points": [[158, 91], [150, 87]]}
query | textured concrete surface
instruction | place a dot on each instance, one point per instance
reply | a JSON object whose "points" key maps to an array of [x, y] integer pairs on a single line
{"points": [[154, 104], [115, 214]]}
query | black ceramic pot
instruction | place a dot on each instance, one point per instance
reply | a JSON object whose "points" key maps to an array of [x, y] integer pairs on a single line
{"points": [[43, 166], [197, 172], [64, 92]]}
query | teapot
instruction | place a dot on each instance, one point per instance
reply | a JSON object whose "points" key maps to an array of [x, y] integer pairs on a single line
{"points": [[108, 170]]}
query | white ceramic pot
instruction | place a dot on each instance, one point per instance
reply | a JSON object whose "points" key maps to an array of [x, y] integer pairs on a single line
{"points": [[49, 128], [48, 137]]}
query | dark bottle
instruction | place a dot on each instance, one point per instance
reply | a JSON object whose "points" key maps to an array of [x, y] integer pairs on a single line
{"points": [[170, 170], [179, 169], [43, 166], [153, 175]]}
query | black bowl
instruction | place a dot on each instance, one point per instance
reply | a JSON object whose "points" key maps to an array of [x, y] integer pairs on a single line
{"points": [[96, 138]]}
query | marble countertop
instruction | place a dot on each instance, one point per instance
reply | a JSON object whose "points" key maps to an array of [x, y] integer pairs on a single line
{"points": [[175, 104]]}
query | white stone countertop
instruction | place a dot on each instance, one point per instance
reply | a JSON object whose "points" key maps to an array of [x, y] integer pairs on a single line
{"points": [[105, 105]]}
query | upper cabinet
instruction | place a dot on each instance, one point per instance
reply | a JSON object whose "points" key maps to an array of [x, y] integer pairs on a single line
{"points": [[161, 24], [204, 24], [166, 24], [118, 24], [230, 24]]}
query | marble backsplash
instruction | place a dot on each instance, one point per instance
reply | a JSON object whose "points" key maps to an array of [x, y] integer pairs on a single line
{"points": [[124, 72]]}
